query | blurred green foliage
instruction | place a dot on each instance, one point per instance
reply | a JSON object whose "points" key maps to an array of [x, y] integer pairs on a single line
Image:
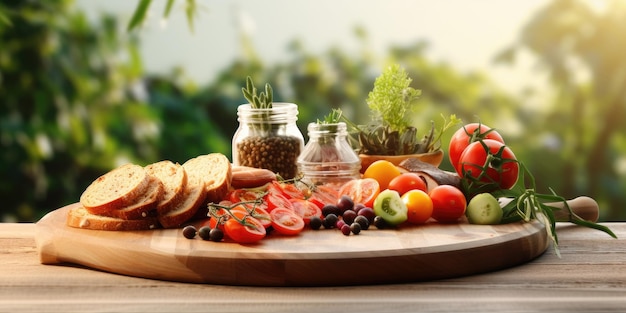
{"points": [[75, 101]]}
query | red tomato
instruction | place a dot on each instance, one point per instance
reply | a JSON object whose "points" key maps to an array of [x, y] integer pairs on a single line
{"points": [[306, 209], [244, 228], [290, 191], [218, 218], [286, 222], [406, 182], [248, 195], [277, 200], [363, 191], [496, 165], [257, 212], [466, 135], [449, 203]]}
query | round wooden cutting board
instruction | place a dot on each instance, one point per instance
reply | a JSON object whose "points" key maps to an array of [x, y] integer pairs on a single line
{"points": [[313, 258]]}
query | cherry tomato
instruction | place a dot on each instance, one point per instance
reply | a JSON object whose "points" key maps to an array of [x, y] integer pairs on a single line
{"points": [[383, 171], [286, 222], [217, 218], [248, 195], [257, 212], [277, 200], [322, 195], [407, 181], [363, 191], [244, 229], [290, 191], [489, 161], [449, 203], [306, 209], [419, 206], [466, 135]]}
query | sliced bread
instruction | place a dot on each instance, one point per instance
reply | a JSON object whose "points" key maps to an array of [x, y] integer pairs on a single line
{"points": [[215, 170], [79, 217], [116, 189], [194, 198], [144, 206], [174, 179]]}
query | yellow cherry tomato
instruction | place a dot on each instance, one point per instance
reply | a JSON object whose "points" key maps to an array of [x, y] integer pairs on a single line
{"points": [[382, 171], [419, 206]]}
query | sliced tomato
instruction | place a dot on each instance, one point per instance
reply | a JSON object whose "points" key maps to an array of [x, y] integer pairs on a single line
{"points": [[306, 209], [277, 200], [290, 191], [252, 197], [244, 228], [218, 218], [323, 195], [286, 222], [257, 212], [363, 191]]}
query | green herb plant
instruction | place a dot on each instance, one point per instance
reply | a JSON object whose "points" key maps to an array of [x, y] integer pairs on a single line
{"points": [[390, 132]]}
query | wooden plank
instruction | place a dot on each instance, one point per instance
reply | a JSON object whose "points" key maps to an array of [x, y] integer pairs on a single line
{"points": [[585, 279]]}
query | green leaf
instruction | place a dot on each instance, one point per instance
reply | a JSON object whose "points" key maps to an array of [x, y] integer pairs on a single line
{"points": [[4, 19], [168, 8], [139, 15], [190, 10]]}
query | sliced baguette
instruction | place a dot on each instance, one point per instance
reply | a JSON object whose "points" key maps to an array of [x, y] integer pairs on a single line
{"points": [[194, 198], [79, 217], [174, 180], [116, 189], [144, 206], [216, 172]]}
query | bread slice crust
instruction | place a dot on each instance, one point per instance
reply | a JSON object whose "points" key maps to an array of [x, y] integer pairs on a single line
{"points": [[79, 217], [174, 180], [116, 189]]}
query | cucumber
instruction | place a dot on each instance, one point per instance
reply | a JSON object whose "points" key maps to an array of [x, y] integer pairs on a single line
{"points": [[390, 207], [484, 209]]}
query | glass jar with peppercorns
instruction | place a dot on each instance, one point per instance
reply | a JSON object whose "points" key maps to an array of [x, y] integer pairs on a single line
{"points": [[268, 138]]}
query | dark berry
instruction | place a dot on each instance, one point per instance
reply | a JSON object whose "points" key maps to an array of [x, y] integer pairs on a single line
{"points": [[358, 207], [345, 229], [216, 234], [348, 216], [345, 203], [330, 220], [330, 209], [204, 232], [189, 232], [355, 228], [339, 223], [363, 221], [315, 223], [368, 213], [380, 223]]}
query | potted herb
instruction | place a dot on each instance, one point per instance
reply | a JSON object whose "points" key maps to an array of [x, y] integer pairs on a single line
{"points": [[268, 136], [390, 134]]}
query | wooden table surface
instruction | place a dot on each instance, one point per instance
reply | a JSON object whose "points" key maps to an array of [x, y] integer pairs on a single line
{"points": [[589, 277]]}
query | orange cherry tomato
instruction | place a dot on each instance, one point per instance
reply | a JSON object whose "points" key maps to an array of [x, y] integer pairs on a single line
{"points": [[383, 171], [419, 206]]}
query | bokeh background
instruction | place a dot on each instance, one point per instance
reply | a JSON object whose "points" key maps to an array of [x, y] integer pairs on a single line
{"points": [[81, 94]]}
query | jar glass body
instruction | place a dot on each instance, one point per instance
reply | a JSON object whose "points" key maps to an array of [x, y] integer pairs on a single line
{"points": [[328, 158], [268, 138]]}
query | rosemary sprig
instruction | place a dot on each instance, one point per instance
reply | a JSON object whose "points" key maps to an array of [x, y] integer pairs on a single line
{"points": [[257, 100]]}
